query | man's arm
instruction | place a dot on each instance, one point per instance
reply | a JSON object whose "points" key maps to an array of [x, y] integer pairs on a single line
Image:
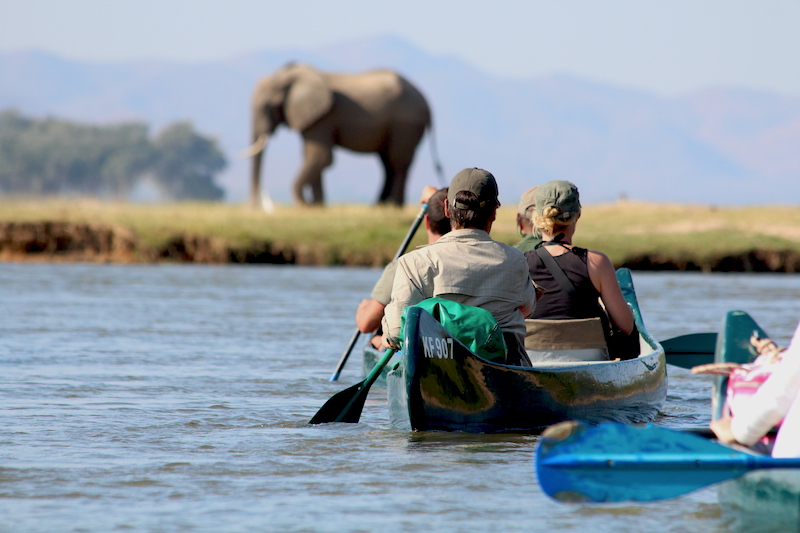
{"points": [[530, 293], [369, 315], [407, 290], [370, 312]]}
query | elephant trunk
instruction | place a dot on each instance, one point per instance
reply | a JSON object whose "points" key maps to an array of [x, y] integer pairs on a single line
{"points": [[256, 151]]}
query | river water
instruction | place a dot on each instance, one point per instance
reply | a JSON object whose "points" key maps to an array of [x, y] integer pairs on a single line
{"points": [[175, 398]]}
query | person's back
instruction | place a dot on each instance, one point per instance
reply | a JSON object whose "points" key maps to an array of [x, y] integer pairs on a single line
{"points": [[574, 277], [467, 266], [557, 302]]}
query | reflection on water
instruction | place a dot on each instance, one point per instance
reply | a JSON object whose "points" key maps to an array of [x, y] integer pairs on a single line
{"points": [[164, 398]]}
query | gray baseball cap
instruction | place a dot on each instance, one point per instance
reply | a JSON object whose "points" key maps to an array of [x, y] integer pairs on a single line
{"points": [[477, 181]]}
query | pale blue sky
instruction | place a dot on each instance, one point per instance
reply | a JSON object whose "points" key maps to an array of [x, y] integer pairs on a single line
{"points": [[668, 47]]}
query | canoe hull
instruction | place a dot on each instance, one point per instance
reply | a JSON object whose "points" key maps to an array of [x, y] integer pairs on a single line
{"points": [[441, 385]]}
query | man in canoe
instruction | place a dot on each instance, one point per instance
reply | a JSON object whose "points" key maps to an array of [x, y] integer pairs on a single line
{"points": [[370, 312], [525, 211], [467, 266]]}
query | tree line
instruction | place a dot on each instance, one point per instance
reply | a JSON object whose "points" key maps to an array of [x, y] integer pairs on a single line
{"points": [[53, 157]]}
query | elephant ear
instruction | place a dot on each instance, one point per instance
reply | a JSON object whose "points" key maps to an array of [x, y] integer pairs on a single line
{"points": [[308, 100]]}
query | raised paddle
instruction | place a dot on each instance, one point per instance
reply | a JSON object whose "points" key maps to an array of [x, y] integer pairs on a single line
{"points": [[410, 235], [346, 406], [614, 462], [687, 351]]}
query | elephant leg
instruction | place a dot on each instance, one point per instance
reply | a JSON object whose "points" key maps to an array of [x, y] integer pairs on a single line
{"points": [[317, 157], [395, 177], [388, 179], [397, 159]]}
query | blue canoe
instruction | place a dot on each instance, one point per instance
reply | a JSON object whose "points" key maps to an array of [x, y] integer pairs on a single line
{"points": [[453, 389]]}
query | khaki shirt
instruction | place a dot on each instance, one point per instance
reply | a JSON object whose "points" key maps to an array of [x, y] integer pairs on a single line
{"points": [[382, 291], [469, 267]]}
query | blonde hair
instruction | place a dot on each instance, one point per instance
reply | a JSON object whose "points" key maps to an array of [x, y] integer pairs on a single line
{"points": [[551, 220]]}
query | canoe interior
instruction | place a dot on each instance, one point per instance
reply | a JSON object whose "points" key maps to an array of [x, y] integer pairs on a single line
{"points": [[733, 346], [441, 385]]}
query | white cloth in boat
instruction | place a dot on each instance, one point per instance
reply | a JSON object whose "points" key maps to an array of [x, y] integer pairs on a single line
{"points": [[469, 267], [778, 397]]}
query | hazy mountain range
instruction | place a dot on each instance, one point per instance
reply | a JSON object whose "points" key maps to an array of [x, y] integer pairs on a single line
{"points": [[723, 145]]}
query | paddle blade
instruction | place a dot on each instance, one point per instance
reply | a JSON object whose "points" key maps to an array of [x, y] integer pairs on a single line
{"points": [[687, 351], [614, 462], [344, 406]]}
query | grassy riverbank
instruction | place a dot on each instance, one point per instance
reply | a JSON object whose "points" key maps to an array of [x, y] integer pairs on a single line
{"points": [[365, 235]]}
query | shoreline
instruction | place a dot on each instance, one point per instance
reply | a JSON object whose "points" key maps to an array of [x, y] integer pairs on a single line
{"points": [[70, 242]]}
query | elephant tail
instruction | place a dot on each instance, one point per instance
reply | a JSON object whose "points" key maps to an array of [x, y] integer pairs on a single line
{"points": [[437, 165]]}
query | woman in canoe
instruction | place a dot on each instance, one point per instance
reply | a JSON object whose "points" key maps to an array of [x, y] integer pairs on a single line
{"points": [[576, 279], [777, 398]]}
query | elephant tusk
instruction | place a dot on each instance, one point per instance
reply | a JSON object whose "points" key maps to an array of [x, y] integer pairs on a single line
{"points": [[255, 148], [266, 202]]}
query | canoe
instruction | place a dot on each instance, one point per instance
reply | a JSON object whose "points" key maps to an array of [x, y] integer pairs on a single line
{"points": [[765, 496], [614, 462], [441, 385]]}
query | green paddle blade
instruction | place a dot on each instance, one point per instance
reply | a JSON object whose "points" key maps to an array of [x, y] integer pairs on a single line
{"points": [[614, 462], [687, 351], [346, 406]]}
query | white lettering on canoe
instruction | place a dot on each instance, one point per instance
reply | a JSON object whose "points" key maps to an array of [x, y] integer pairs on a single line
{"points": [[437, 347]]}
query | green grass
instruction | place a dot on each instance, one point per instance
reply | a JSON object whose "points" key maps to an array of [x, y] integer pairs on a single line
{"points": [[366, 235]]}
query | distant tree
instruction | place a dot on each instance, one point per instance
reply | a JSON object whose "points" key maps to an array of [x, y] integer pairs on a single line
{"points": [[186, 163], [53, 156]]}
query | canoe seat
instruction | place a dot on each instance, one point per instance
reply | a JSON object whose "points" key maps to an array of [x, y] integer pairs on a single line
{"points": [[565, 340]]}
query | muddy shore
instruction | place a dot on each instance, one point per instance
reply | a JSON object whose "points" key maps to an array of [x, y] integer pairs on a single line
{"points": [[76, 242]]}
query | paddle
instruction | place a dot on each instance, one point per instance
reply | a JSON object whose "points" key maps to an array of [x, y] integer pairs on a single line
{"points": [[410, 235], [687, 351], [614, 462], [346, 406]]}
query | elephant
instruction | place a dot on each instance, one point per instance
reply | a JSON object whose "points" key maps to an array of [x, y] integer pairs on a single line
{"points": [[374, 111]]}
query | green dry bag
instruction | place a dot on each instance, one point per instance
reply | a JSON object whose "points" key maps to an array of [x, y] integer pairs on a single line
{"points": [[474, 327]]}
